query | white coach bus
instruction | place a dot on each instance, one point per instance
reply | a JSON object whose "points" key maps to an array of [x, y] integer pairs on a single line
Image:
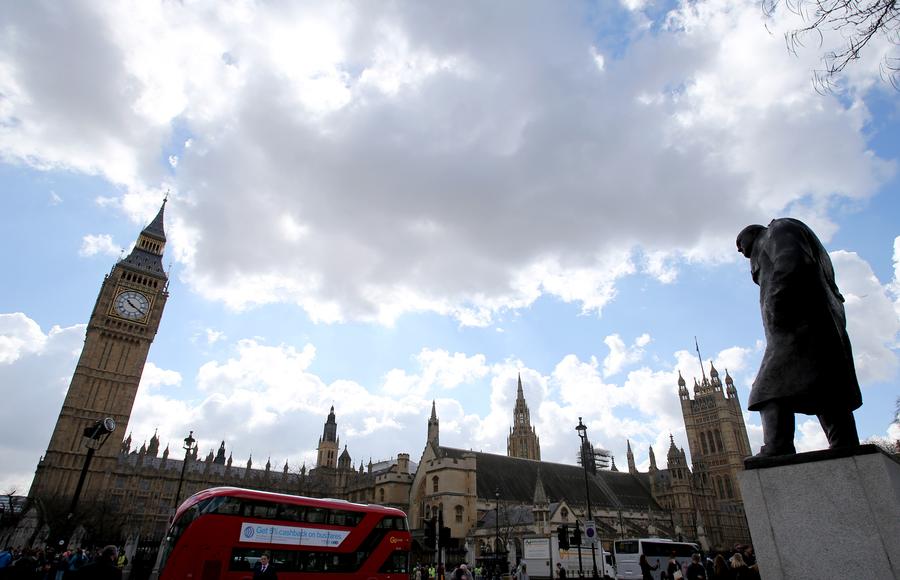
{"points": [[658, 552]]}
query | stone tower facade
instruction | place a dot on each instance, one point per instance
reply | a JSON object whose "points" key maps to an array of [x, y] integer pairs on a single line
{"points": [[120, 331], [522, 441], [718, 442], [329, 443]]}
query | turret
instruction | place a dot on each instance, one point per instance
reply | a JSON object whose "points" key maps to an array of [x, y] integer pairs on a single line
{"points": [[652, 460], [220, 454], [344, 460], [629, 455], [153, 448], [433, 427], [682, 389]]}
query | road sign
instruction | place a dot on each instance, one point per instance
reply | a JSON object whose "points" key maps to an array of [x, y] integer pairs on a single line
{"points": [[590, 532]]}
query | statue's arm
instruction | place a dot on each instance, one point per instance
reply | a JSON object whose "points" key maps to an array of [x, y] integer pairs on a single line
{"points": [[789, 259]]}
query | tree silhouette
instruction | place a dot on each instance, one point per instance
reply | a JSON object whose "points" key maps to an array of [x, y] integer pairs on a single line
{"points": [[857, 21]]}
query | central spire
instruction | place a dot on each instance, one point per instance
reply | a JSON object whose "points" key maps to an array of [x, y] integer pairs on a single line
{"points": [[522, 442]]}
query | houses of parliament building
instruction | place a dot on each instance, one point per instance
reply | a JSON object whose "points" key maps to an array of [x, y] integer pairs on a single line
{"points": [[135, 490]]}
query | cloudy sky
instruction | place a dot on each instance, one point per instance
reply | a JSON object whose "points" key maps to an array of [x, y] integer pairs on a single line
{"points": [[377, 205]]}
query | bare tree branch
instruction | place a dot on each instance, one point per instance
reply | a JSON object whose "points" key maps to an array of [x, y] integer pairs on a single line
{"points": [[857, 21]]}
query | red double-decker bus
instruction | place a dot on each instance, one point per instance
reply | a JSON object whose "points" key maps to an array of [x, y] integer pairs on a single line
{"points": [[221, 533]]}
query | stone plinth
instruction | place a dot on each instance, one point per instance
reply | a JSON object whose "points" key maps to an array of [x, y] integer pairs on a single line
{"points": [[825, 514]]}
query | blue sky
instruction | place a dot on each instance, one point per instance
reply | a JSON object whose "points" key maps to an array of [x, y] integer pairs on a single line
{"points": [[377, 207]]}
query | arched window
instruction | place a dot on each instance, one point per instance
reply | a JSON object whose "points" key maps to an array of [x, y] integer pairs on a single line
{"points": [[719, 440], [381, 495], [703, 442], [459, 514], [434, 484], [564, 514]]}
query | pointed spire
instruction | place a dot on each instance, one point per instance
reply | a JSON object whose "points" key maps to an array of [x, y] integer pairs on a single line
{"points": [[146, 256], [629, 455], [250, 462], [228, 463], [613, 467], [653, 466], [728, 380], [681, 382], [285, 470], [268, 463], [520, 394], [156, 228], [433, 411], [540, 495], [713, 373], [165, 454]]}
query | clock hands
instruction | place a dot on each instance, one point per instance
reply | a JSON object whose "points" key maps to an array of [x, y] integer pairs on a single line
{"points": [[133, 305]]}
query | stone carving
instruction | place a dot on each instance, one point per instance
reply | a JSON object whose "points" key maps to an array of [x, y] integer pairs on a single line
{"points": [[808, 364]]}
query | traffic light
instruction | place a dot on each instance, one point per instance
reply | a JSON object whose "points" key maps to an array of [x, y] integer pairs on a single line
{"points": [[429, 534], [576, 536], [562, 534], [445, 536]]}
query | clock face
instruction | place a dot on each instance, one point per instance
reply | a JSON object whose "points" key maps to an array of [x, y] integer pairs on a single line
{"points": [[132, 305]]}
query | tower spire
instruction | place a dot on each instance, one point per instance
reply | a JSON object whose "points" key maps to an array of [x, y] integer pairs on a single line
{"points": [[702, 371]]}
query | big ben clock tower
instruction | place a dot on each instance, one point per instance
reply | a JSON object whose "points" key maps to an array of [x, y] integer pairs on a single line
{"points": [[119, 334]]}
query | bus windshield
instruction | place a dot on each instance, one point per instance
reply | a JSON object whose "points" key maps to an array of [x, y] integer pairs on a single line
{"points": [[223, 533]]}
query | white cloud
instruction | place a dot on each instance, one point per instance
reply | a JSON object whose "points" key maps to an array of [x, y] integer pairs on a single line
{"points": [[894, 286], [35, 369], [619, 355], [103, 244], [19, 335], [154, 377], [872, 321], [392, 160], [214, 336]]}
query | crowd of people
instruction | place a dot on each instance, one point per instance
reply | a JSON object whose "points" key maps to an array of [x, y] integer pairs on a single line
{"points": [[28, 564], [739, 564]]}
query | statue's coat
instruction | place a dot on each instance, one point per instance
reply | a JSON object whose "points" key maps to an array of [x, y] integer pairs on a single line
{"points": [[808, 363]]}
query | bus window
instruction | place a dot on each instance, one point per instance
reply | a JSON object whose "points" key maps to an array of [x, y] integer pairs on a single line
{"points": [[627, 547], [392, 523], [344, 518], [315, 515], [292, 513], [397, 563]]}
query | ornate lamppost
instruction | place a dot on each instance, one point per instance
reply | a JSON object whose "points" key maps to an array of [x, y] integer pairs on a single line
{"points": [[582, 433], [189, 444]]}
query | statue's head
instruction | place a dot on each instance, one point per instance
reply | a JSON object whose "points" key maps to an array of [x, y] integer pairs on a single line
{"points": [[747, 238]]}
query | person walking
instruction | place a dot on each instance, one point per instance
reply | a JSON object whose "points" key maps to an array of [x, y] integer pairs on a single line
{"points": [[720, 570], [522, 572], [695, 571], [646, 569]]}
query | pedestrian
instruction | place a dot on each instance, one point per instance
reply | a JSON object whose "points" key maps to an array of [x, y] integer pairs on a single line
{"points": [[419, 572], [646, 569], [560, 571], [522, 572], [739, 569], [672, 567], [264, 570], [695, 571], [720, 569], [102, 568]]}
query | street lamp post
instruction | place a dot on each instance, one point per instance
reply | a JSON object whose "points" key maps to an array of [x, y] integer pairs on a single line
{"points": [[497, 542], [189, 443], [582, 433]]}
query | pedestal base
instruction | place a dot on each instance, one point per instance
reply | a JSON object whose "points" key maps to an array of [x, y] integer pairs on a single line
{"points": [[825, 514]]}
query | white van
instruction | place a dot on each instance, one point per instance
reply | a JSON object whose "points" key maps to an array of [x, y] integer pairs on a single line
{"points": [[657, 550]]}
